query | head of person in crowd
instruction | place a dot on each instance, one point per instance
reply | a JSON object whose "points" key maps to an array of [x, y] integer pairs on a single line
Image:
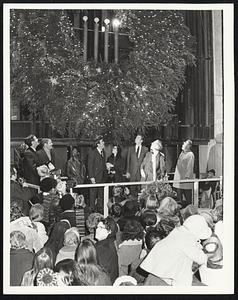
{"points": [[208, 217], [68, 270], [36, 212], [125, 280], [156, 146], [168, 207], [67, 202], [17, 240], [47, 144], [167, 225], [61, 187], [130, 208], [43, 259], [48, 185], [148, 218], [217, 213], [71, 237], [116, 210], [86, 253], [93, 275], [75, 153], [133, 230], [139, 139], [154, 235], [92, 221], [43, 172], [106, 228], [13, 172], [16, 208], [116, 150], [198, 227], [189, 211], [151, 202], [211, 173], [99, 143], [118, 192], [187, 145], [31, 141]]}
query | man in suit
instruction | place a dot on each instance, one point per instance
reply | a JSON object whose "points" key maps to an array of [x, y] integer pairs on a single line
{"points": [[135, 157], [46, 155], [184, 170], [97, 174], [30, 161], [153, 165]]}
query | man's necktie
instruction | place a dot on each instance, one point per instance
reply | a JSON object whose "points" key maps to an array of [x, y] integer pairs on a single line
{"points": [[137, 151]]}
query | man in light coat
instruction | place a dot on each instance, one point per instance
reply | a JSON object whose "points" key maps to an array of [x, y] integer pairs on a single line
{"points": [[153, 165], [184, 170]]}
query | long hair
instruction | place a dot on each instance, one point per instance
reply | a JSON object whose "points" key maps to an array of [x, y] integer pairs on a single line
{"points": [[43, 259], [69, 270], [86, 253], [92, 274], [168, 207], [118, 150]]}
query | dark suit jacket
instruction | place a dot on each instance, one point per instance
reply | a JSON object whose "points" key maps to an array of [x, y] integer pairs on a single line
{"points": [[134, 163], [119, 168], [107, 257], [148, 167], [97, 166], [43, 159], [30, 163]]}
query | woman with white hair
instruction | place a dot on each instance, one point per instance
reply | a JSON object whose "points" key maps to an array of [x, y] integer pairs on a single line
{"points": [[71, 241], [32, 228], [153, 165], [172, 258]]}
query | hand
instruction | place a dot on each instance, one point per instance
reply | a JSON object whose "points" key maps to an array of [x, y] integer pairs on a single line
{"points": [[128, 175], [93, 181], [142, 172]]}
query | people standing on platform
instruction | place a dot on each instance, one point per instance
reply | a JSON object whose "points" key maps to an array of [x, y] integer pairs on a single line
{"points": [[46, 155], [184, 170], [30, 161], [97, 173], [135, 157], [116, 165], [76, 169], [153, 165]]}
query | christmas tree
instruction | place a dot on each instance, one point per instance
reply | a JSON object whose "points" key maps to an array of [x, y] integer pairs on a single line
{"points": [[111, 99]]}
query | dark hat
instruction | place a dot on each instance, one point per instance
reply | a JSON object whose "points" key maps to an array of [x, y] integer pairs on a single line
{"points": [[47, 184], [66, 202]]}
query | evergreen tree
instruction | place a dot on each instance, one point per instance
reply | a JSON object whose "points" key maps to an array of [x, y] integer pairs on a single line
{"points": [[113, 99]]}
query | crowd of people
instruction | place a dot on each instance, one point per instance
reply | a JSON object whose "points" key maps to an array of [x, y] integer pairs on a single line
{"points": [[59, 237]]}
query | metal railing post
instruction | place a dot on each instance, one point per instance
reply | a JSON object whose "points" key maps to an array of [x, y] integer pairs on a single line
{"points": [[106, 199], [195, 193]]}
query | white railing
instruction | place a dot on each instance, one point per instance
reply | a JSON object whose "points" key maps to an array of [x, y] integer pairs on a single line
{"points": [[107, 185]]}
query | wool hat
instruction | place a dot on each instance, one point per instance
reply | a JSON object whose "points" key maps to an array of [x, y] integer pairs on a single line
{"points": [[198, 226]]}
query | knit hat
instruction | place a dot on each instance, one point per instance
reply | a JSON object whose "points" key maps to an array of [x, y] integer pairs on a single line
{"points": [[46, 277], [198, 226], [47, 184]]}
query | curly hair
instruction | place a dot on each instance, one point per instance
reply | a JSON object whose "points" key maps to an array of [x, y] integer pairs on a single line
{"points": [[133, 230]]}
